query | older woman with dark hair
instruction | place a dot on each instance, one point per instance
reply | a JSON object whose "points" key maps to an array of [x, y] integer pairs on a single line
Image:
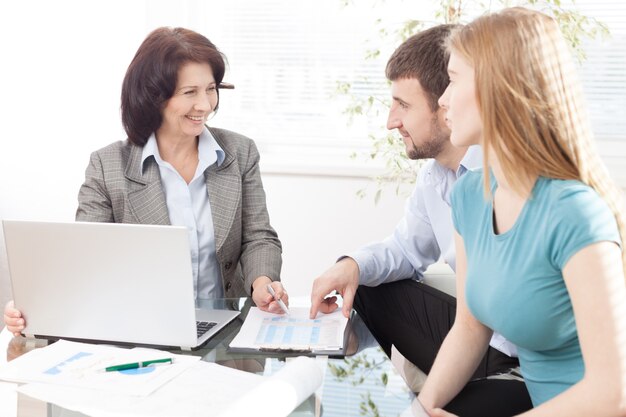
{"points": [[173, 169]]}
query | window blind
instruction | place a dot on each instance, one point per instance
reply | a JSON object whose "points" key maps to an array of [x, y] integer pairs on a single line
{"points": [[287, 57]]}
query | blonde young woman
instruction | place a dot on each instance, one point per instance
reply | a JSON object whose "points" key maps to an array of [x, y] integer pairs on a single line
{"points": [[539, 228]]}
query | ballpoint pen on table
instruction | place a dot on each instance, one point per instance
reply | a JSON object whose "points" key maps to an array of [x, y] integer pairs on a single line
{"points": [[278, 300], [135, 365]]}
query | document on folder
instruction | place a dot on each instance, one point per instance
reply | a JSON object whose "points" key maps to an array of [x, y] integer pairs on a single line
{"points": [[263, 331]]}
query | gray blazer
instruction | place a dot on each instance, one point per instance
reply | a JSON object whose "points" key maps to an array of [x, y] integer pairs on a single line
{"points": [[115, 190]]}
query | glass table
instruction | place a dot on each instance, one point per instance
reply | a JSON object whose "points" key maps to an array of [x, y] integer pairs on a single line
{"points": [[363, 383]]}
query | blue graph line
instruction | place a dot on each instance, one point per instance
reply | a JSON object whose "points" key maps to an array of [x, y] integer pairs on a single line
{"points": [[57, 369]]}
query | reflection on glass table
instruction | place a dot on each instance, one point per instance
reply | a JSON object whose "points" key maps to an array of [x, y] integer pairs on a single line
{"points": [[363, 383]]}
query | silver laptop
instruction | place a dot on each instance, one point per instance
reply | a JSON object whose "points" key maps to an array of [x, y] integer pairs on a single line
{"points": [[107, 282]]}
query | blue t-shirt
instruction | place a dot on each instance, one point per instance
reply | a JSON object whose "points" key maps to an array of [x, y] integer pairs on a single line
{"points": [[514, 282]]}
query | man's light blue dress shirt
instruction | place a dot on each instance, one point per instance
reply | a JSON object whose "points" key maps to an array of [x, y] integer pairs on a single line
{"points": [[424, 234], [188, 205]]}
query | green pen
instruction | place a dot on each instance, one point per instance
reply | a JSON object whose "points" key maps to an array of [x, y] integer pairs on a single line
{"points": [[136, 365]]}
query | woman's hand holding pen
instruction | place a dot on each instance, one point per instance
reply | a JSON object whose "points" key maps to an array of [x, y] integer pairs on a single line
{"points": [[264, 299]]}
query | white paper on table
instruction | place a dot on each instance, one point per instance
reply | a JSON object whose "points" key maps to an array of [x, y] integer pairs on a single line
{"points": [[8, 399], [81, 365], [264, 330], [205, 389], [281, 393]]}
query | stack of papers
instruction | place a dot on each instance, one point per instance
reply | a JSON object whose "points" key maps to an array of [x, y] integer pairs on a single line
{"points": [[82, 365], [70, 375]]}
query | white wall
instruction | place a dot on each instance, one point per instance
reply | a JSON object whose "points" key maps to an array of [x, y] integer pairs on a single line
{"points": [[319, 218], [5, 286]]}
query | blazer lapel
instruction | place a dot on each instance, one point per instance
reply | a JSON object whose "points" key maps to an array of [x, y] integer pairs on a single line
{"points": [[145, 193], [224, 188]]}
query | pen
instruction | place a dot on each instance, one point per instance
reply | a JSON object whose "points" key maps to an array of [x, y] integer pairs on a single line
{"points": [[135, 365], [278, 300]]}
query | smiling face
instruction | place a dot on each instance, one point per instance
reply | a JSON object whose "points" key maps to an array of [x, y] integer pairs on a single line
{"points": [[422, 130], [459, 101], [194, 99]]}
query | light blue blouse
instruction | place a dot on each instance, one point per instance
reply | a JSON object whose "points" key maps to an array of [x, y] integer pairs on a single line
{"points": [[188, 205]]}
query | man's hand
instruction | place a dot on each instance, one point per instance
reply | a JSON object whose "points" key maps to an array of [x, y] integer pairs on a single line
{"points": [[342, 277]]}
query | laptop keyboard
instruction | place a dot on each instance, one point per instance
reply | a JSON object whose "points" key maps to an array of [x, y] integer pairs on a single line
{"points": [[204, 326]]}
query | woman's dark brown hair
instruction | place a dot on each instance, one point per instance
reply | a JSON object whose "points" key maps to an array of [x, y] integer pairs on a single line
{"points": [[152, 74]]}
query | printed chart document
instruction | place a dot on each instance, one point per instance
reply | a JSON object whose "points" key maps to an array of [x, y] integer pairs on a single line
{"points": [[83, 365], [205, 389], [294, 332]]}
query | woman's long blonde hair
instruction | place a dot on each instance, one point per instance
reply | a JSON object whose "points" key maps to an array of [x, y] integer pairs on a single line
{"points": [[531, 103]]}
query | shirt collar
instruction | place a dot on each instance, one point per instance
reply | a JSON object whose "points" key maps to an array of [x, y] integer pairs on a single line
{"points": [[473, 159], [438, 174], [209, 150]]}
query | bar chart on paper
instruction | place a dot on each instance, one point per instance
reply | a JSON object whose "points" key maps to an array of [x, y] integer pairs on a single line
{"points": [[263, 330], [280, 331]]}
